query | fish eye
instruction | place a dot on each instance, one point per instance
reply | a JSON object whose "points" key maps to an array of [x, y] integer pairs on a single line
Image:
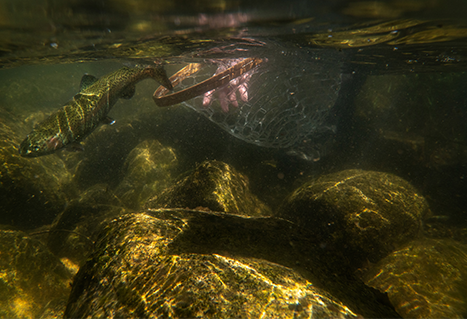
{"points": [[36, 147]]}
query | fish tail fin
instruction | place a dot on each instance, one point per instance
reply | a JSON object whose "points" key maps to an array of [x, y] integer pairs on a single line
{"points": [[159, 74]]}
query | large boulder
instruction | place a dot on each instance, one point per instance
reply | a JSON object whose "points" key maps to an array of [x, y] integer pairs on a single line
{"points": [[147, 170], [176, 263], [425, 279], [73, 232], [359, 215], [215, 186], [33, 282]]}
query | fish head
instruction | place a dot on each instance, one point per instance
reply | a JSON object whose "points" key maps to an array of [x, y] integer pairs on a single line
{"points": [[36, 144]]}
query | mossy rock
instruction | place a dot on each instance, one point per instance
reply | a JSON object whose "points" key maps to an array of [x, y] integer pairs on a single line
{"points": [[214, 186], [425, 279], [360, 215], [147, 171], [135, 273], [73, 232], [33, 282], [188, 263]]}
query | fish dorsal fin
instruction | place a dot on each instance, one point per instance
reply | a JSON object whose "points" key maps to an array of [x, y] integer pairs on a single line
{"points": [[86, 81]]}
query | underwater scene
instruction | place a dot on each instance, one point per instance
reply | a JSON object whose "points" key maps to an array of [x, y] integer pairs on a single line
{"points": [[233, 159]]}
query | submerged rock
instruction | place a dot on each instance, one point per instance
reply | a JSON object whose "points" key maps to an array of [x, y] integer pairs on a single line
{"points": [[426, 279], [73, 232], [33, 191], [33, 282], [147, 171], [180, 263], [360, 215], [104, 153], [216, 186]]}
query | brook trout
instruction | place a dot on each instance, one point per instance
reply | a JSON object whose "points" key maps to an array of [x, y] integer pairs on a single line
{"points": [[83, 114]]}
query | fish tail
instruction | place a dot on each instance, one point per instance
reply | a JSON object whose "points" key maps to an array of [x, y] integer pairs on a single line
{"points": [[159, 74]]}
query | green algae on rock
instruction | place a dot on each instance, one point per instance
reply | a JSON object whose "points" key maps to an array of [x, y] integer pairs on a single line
{"points": [[361, 215], [426, 279], [135, 272], [126, 249], [216, 186], [148, 171], [33, 282]]}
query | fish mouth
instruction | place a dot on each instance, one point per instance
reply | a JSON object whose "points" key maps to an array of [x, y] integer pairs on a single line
{"points": [[27, 149], [24, 148]]}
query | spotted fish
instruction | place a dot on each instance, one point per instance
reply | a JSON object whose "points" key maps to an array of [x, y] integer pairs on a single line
{"points": [[89, 108]]}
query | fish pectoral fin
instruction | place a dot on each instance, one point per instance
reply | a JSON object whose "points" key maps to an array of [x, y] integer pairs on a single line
{"points": [[86, 81], [128, 92], [75, 147], [108, 120]]}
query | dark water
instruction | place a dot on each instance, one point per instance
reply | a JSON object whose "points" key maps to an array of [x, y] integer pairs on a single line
{"points": [[399, 68]]}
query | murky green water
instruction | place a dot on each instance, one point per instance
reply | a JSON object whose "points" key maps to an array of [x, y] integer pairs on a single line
{"points": [[336, 187]]}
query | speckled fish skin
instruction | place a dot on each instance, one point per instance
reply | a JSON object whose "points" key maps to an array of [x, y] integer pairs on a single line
{"points": [[83, 114]]}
